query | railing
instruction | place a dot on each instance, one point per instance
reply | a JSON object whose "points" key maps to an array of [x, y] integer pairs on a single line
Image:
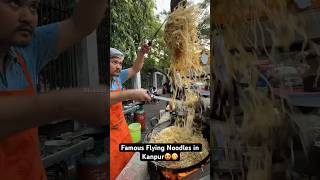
{"points": [[63, 72]]}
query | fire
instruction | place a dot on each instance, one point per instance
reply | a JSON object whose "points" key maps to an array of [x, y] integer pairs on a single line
{"points": [[177, 176]]}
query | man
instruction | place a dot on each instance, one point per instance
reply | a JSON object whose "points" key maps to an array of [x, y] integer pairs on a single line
{"points": [[117, 75], [24, 51], [119, 131]]}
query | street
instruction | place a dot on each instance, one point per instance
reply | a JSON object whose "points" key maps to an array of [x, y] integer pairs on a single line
{"points": [[153, 110]]}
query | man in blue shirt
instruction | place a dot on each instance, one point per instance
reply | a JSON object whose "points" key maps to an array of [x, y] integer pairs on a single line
{"points": [[24, 51], [119, 132], [120, 76]]}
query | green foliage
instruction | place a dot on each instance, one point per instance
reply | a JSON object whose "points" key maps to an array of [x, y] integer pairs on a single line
{"points": [[204, 25], [133, 22]]}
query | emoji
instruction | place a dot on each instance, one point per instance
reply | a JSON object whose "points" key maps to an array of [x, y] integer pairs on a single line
{"points": [[167, 156], [174, 156]]}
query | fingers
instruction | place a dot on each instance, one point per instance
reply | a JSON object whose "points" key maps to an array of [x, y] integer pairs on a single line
{"points": [[147, 97], [142, 95], [145, 48]]}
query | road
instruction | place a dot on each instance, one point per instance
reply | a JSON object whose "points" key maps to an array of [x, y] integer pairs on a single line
{"points": [[153, 110]]}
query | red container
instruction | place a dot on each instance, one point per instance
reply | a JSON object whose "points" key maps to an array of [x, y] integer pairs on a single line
{"points": [[140, 117]]}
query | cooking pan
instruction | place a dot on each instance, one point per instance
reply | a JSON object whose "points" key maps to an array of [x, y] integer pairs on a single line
{"points": [[153, 167]]}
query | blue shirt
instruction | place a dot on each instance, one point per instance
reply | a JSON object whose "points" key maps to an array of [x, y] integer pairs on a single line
{"points": [[39, 52], [123, 76]]}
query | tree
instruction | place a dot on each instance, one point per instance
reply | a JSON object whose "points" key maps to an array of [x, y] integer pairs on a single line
{"points": [[204, 24], [175, 3], [133, 22]]}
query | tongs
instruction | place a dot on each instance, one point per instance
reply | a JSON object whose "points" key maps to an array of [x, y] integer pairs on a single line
{"points": [[155, 35]]}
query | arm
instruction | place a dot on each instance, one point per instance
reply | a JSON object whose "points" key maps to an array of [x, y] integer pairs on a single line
{"points": [[138, 64], [24, 112], [116, 97], [132, 94], [86, 17]]}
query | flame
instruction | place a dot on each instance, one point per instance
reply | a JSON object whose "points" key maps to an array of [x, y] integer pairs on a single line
{"points": [[177, 176]]}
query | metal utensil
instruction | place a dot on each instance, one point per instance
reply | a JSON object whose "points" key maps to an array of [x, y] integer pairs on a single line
{"points": [[165, 98], [161, 98], [155, 35]]}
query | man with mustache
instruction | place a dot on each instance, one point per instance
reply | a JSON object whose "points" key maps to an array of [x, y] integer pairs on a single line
{"points": [[119, 131], [24, 50]]}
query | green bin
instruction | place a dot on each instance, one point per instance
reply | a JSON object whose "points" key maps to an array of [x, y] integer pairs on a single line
{"points": [[135, 131]]}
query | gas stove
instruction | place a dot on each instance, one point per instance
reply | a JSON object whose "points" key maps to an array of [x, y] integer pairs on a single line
{"points": [[130, 108], [55, 155], [202, 171], [136, 169]]}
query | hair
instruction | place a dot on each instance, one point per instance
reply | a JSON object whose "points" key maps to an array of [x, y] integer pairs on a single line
{"points": [[115, 53]]}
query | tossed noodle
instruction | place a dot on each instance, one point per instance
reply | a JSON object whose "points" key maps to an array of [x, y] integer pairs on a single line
{"points": [[181, 37]]}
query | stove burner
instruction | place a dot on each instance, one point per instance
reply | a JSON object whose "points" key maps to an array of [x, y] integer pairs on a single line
{"points": [[179, 176], [159, 173]]}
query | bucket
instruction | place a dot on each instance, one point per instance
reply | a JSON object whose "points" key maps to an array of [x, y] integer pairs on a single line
{"points": [[135, 131]]}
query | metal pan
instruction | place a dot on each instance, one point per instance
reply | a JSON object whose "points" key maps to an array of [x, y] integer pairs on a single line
{"points": [[153, 167]]}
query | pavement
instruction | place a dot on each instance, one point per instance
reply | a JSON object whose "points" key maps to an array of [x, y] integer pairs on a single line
{"points": [[153, 110]]}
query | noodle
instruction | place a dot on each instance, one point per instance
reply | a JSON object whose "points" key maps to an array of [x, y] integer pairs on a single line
{"points": [[180, 135], [239, 22], [181, 38]]}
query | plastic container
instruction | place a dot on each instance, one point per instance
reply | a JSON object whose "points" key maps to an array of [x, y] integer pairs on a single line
{"points": [[135, 131], [140, 117]]}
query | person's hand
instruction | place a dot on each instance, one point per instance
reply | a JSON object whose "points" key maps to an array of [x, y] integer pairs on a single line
{"points": [[139, 95], [170, 107], [145, 49]]}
